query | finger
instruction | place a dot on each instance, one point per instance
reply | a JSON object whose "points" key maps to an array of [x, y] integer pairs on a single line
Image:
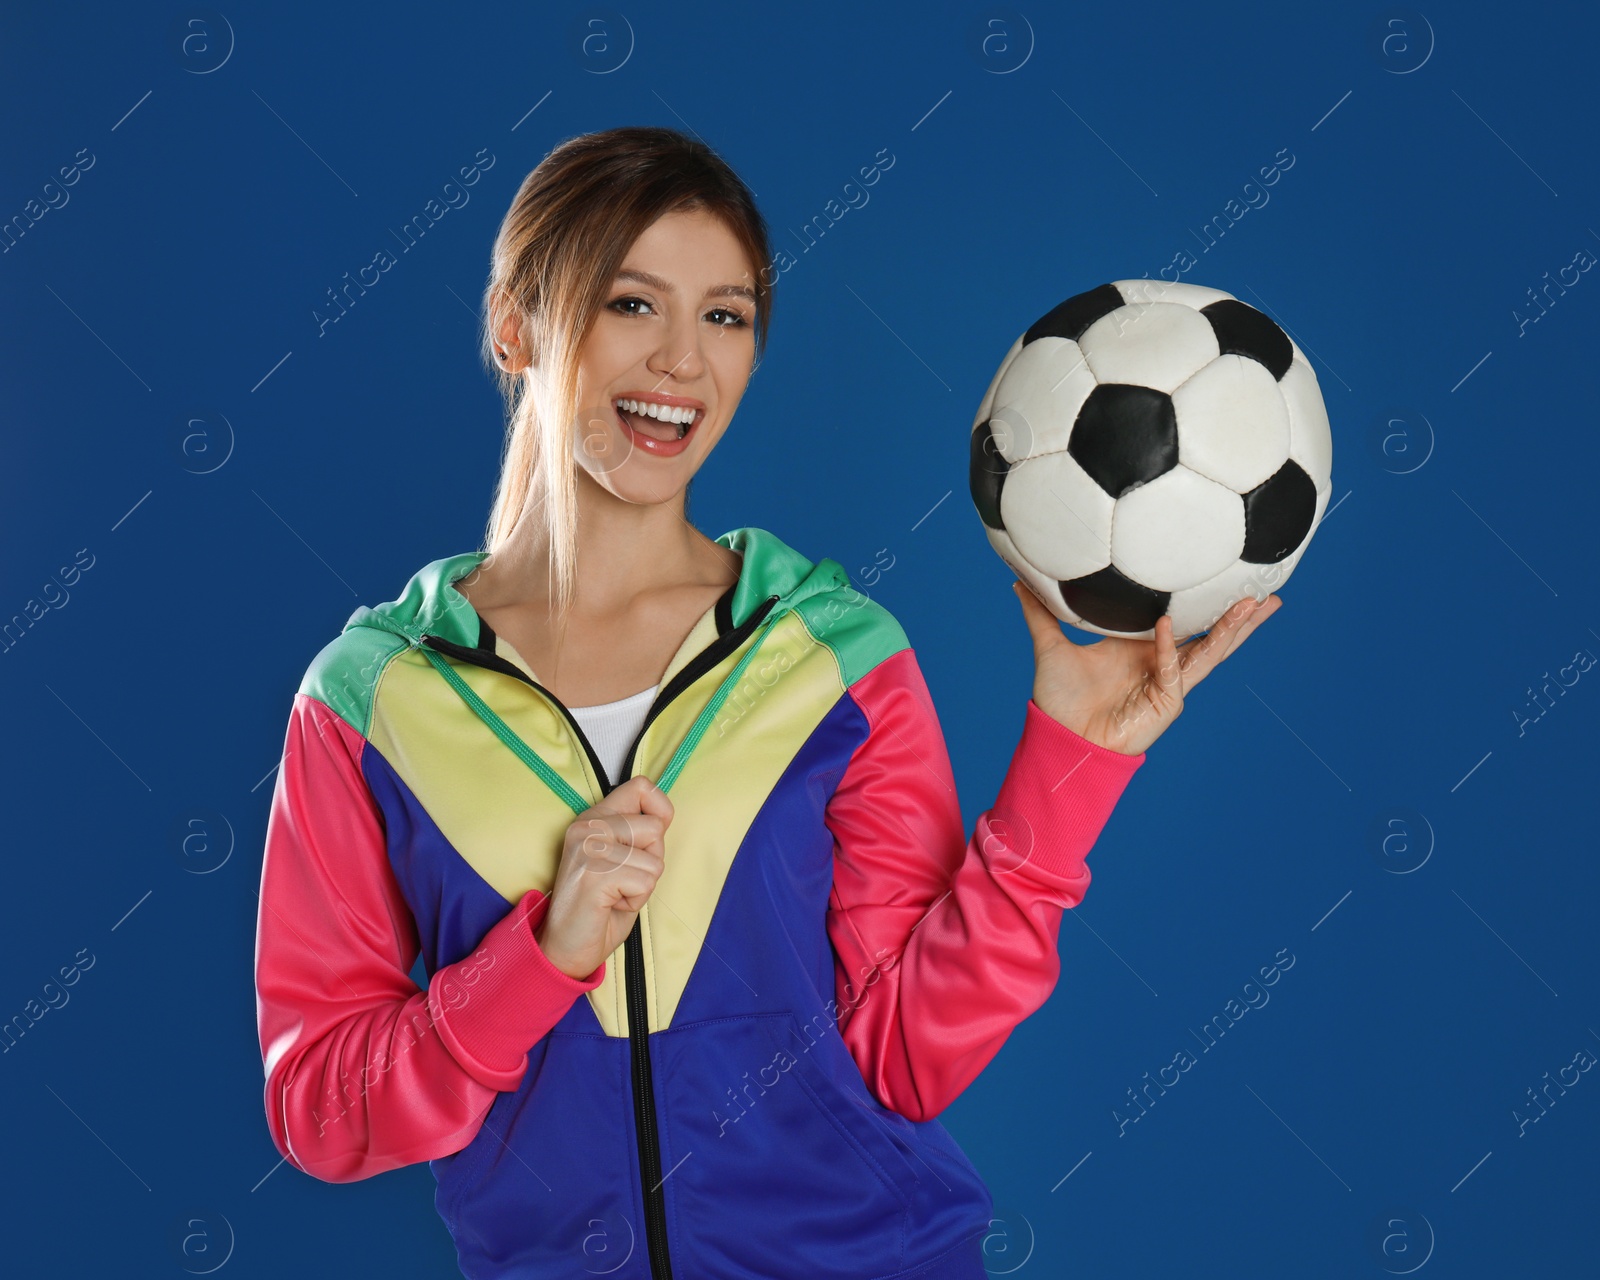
{"points": [[607, 831], [1267, 608], [1043, 627], [1169, 667], [637, 795], [641, 830], [1200, 660], [653, 800]]}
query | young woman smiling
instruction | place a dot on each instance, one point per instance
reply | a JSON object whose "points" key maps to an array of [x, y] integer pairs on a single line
{"points": [[704, 1035]]}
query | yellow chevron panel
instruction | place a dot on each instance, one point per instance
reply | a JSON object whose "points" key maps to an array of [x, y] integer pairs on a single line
{"points": [[509, 826], [505, 822], [783, 695]]}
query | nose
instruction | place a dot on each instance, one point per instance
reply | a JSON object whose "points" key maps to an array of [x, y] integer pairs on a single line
{"points": [[679, 356]]}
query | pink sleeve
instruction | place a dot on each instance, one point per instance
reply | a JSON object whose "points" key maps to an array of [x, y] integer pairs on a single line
{"points": [[364, 1071], [942, 944]]}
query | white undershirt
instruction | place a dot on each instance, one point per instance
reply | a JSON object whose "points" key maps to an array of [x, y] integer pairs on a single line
{"points": [[611, 727]]}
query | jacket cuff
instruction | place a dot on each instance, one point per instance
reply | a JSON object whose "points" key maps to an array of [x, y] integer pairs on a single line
{"points": [[1057, 796], [492, 1006]]}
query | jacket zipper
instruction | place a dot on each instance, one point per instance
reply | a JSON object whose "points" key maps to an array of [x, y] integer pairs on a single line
{"points": [[644, 1106]]}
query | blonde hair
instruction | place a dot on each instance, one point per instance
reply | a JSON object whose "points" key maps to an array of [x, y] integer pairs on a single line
{"points": [[555, 256]]}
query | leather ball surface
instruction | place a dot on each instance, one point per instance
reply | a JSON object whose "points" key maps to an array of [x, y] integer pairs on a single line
{"points": [[1150, 448]]}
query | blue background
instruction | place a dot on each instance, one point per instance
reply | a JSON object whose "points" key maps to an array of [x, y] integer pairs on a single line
{"points": [[1435, 180]]}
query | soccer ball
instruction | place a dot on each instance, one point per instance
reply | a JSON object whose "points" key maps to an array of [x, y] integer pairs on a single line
{"points": [[1149, 448]]}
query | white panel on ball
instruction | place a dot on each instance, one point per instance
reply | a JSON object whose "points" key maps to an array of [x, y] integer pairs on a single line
{"points": [[1190, 295], [1058, 518], [1152, 344], [1039, 397], [1047, 589], [1198, 608], [1310, 437], [1180, 460], [1233, 425], [1177, 531]]}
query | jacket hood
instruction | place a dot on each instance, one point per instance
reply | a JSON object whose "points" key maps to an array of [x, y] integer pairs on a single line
{"points": [[430, 605]]}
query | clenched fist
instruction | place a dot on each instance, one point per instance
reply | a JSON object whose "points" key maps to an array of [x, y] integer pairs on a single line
{"points": [[611, 859]]}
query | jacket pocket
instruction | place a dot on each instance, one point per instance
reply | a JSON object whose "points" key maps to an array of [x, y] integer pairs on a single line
{"points": [[460, 1174], [547, 1187], [775, 1171]]}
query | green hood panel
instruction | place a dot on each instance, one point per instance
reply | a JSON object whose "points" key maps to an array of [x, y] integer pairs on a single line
{"points": [[345, 674]]}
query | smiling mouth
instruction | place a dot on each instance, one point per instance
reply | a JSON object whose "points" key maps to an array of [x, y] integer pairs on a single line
{"points": [[654, 428]]}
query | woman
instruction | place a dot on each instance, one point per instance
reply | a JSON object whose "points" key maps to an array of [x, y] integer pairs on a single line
{"points": [[814, 960]]}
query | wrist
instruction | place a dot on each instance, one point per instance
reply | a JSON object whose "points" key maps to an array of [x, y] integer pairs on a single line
{"points": [[553, 956]]}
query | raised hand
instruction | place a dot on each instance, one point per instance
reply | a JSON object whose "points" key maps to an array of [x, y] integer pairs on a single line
{"points": [[1123, 694]]}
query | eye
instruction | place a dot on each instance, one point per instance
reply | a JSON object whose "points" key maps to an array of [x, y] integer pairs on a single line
{"points": [[623, 306]]}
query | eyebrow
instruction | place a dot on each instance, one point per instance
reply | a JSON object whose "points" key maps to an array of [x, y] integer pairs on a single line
{"points": [[656, 282]]}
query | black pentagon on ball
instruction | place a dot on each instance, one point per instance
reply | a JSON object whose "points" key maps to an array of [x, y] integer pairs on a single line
{"points": [[1075, 315], [1278, 514], [986, 474], [1110, 599], [1125, 436], [1243, 331]]}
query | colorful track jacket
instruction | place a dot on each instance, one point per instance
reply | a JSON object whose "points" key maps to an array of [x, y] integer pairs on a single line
{"points": [[747, 1087]]}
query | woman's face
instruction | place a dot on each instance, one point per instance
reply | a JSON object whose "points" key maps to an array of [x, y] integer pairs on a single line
{"points": [[676, 333]]}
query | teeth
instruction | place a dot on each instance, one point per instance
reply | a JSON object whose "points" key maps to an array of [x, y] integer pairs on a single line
{"points": [[661, 412]]}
